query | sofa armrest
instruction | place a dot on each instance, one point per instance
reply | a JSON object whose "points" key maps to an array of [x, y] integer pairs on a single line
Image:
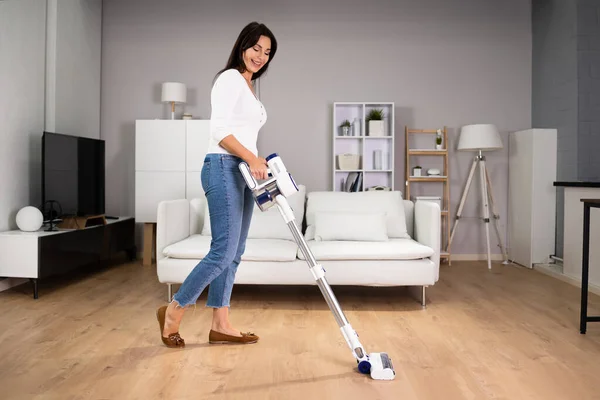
{"points": [[172, 224], [428, 228]]}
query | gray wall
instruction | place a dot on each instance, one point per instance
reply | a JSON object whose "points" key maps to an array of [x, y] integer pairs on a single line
{"points": [[566, 88], [588, 57], [442, 62], [554, 77], [22, 54]]}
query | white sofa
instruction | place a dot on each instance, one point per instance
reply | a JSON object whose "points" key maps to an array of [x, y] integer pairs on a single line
{"points": [[372, 238]]}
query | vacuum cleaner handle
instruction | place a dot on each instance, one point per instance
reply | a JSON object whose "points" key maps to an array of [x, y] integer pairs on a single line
{"points": [[248, 177], [250, 180]]}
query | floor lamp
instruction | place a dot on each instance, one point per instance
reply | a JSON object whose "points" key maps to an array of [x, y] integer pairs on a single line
{"points": [[480, 138]]}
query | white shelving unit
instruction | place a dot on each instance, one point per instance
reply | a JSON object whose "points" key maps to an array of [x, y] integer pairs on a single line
{"points": [[363, 144]]}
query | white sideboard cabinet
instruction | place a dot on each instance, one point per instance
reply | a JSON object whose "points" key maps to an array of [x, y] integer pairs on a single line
{"points": [[169, 155]]}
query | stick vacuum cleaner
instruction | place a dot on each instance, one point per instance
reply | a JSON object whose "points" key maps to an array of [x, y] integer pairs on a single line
{"points": [[274, 191]]}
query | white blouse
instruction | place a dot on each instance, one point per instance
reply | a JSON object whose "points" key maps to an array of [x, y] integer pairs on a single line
{"points": [[235, 111]]}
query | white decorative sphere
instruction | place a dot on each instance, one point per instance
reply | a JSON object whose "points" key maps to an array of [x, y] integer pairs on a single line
{"points": [[29, 219]]}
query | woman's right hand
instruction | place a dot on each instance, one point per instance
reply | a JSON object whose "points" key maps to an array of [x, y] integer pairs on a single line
{"points": [[258, 168]]}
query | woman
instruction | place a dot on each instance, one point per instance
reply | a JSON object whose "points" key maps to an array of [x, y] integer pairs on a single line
{"points": [[236, 117]]}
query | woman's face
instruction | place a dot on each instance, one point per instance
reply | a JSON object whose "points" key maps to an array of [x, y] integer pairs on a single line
{"points": [[257, 56]]}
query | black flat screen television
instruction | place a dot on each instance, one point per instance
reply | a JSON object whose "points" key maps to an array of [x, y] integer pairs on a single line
{"points": [[73, 175]]}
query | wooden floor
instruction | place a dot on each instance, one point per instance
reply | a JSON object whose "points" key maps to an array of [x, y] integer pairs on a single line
{"points": [[506, 334]]}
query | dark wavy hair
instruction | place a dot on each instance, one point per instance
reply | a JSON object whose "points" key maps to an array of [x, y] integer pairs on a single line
{"points": [[249, 37]]}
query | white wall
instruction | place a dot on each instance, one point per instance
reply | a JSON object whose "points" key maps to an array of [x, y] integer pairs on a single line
{"points": [[443, 62], [70, 91], [74, 60], [22, 55]]}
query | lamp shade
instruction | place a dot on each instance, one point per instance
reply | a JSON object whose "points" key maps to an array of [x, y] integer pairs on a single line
{"points": [[173, 92], [479, 137]]}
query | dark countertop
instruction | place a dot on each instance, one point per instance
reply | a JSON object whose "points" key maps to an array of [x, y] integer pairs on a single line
{"points": [[591, 201], [588, 184]]}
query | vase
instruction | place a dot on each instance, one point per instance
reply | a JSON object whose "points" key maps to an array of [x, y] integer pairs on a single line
{"points": [[376, 128], [356, 127], [377, 160]]}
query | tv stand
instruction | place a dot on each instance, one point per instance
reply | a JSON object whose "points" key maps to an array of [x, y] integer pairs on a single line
{"points": [[41, 254]]}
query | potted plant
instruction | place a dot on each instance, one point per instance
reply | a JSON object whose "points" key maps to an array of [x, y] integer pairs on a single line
{"points": [[345, 128], [438, 140], [417, 170], [375, 120]]}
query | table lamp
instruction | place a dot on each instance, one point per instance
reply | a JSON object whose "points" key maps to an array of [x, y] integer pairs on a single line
{"points": [[480, 138], [173, 92]]}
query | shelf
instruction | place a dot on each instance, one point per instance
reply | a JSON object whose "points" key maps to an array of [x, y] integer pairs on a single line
{"points": [[365, 137], [423, 147], [362, 103], [428, 152], [428, 178], [364, 170], [422, 131]]}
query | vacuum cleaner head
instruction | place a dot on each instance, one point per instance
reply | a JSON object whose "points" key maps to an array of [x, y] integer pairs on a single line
{"points": [[379, 365]]}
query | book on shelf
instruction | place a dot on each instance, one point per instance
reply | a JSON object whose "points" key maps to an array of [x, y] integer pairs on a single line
{"points": [[353, 182]]}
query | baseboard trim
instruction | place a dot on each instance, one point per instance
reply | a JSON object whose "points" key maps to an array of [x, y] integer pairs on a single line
{"points": [[475, 257], [550, 271], [8, 283]]}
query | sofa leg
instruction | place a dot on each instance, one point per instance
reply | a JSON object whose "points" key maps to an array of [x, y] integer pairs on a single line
{"points": [[170, 292], [419, 294]]}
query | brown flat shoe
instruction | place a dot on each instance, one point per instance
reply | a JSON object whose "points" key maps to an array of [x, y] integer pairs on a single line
{"points": [[174, 340], [215, 337]]}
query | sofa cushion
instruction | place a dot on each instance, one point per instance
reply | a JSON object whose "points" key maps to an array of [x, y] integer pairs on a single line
{"points": [[359, 226], [270, 224], [388, 202], [393, 249], [197, 246]]}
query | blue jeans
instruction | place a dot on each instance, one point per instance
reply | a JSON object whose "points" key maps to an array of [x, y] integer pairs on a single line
{"points": [[230, 204]]}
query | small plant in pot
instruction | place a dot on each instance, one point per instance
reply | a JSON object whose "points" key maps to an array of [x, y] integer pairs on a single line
{"points": [[417, 170], [375, 120], [345, 128], [438, 142]]}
